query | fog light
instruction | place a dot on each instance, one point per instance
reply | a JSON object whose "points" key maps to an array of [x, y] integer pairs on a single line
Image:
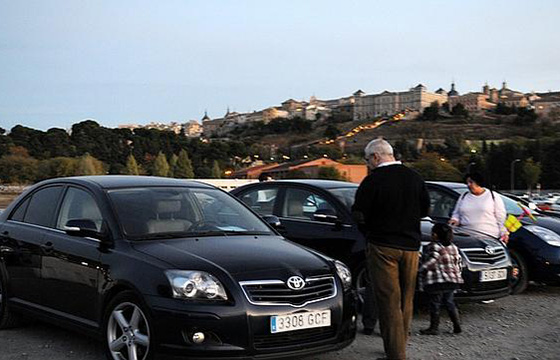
{"points": [[198, 338], [353, 318]]}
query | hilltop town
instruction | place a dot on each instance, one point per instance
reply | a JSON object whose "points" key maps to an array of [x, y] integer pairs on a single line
{"points": [[362, 107]]}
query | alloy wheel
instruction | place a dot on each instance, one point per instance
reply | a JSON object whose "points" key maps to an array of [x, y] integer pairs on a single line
{"points": [[128, 333], [361, 281]]}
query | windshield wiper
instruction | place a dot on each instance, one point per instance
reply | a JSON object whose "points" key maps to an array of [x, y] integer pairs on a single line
{"points": [[173, 235], [230, 232]]}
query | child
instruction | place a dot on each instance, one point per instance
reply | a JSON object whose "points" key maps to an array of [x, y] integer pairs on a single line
{"points": [[441, 275]]}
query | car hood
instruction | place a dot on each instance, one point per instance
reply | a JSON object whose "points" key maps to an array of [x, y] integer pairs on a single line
{"points": [[463, 238], [548, 222], [242, 257]]}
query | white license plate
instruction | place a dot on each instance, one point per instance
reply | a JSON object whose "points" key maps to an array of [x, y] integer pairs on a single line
{"points": [[493, 275], [299, 321]]}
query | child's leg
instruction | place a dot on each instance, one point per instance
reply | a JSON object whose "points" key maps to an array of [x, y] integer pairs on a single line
{"points": [[435, 305], [452, 310]]}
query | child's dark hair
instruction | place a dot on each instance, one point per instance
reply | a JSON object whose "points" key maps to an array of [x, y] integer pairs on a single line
{"points": [[444, 233]]}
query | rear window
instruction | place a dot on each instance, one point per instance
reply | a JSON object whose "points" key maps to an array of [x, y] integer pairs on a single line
{"points": [[42, 207], [19, 214]]}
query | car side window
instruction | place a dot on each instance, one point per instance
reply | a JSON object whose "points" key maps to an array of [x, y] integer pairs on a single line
{"points": [[261, 200], [442, 204], [304, 204], [19, 213], [79, 204], [42, 206]]}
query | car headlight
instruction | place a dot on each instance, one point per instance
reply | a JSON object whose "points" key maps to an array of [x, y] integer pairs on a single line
{"points": [[344, 274], [547, 235], [195, 285]]}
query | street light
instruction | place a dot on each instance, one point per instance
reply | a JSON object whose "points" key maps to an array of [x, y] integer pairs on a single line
{"points": [[469, 167], [512, 172]]}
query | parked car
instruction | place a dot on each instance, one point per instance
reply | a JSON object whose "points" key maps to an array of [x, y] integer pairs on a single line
{"points": [[156, 265], [534, 248], [548, 211], [316, 213]]}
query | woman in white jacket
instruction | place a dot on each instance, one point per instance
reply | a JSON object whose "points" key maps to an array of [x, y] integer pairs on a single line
{"points": [[481, 209]]}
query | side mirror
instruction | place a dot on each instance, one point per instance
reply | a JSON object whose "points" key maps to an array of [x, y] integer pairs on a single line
{"points": [[325, 215], [83, 228], [272, 220]]}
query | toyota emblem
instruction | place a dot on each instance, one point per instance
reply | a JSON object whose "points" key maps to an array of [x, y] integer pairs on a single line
{"points": [[489, 250], [296, 283]]}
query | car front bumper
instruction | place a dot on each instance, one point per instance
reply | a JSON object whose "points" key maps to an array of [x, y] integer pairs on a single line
{"points": [[242, 330]]}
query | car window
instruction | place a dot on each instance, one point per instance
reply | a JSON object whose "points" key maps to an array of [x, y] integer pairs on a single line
{"points": [[79, 204], [42, 206], [304, 204], [19, 213], [346, 195], [261, 200], [442, 203], [174, 211]]}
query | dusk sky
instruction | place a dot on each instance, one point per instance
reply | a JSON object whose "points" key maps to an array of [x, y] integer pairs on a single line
{"points": [[135, 61]]}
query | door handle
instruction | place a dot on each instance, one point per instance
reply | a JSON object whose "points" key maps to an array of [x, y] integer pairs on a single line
{"points": [[48, 246], [5, 233], [6, 249]]}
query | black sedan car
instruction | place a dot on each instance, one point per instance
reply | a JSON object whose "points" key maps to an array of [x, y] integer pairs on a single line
{"points": [[155, 265], [534, 248], [316, 213]]}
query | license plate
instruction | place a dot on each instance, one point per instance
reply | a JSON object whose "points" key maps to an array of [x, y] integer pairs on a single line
{"points": [[300, 321], [493, 275]]}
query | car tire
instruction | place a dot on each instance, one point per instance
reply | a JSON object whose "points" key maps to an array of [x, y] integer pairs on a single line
{"points": [[7, 317], [360, 279], [128, 330], [520, 279]]}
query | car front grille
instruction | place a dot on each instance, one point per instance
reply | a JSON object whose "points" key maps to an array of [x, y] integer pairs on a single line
{"points": [[481, 256], [276, 292], [299, 337]]}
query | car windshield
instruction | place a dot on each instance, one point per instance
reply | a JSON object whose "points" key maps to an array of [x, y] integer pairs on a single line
{"points": [[170, 212], [512, 207], [346, 195]]}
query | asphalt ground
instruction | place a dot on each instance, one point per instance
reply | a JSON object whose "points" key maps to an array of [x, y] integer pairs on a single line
{"points": [[525, 326]]}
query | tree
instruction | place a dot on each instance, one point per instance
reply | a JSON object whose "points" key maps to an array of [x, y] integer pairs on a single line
{"points": [[88, 165], [57, 167], [161, 167], [331, 132], [184, 166], [525, 116], [459, 110], [433, 167], [17, 169], [132, 166], [216, 170], [173, 165], [331, 173], [531, 173], [431, 113]]}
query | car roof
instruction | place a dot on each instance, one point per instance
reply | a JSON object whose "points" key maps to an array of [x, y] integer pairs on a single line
{"points": [[447, 184], [123, 181], [324, 184]]}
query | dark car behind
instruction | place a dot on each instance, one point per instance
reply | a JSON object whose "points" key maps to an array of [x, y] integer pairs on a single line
{"points": [[534, 248], [316, 213]]}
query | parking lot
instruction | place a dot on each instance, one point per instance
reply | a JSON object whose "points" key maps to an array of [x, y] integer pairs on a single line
{"points": [[525, 326]]}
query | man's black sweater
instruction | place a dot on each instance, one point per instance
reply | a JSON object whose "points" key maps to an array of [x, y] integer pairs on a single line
{"points": [[389, 205]]}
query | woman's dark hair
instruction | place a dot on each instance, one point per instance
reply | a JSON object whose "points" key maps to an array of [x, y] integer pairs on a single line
{"points": [[444, 233], [476, 177]]}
